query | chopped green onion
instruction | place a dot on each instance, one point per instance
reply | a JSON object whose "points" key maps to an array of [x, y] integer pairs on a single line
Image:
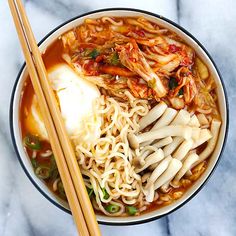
{"points": [[94, 53], [173, 83], [105, 193], [131, 210], [181, 91], [86, 52], [112, 208], [115, 59], [54, 173], [34, 163], [90, 191], [53, 163], [53, 168], [61, 189], [32, 142], [43, 172]]}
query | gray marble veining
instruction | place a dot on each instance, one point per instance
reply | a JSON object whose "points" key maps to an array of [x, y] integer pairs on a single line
{"points": [[25, 212]]}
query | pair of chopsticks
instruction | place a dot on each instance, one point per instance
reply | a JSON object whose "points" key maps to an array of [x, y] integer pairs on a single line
{"points": [[71, 177]]}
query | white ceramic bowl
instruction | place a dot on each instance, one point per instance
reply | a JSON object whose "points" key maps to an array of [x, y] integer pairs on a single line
{"points": [[201, 51]]}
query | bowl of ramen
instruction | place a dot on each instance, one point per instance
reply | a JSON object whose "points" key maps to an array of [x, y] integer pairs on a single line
{"points": [[143, 104]]}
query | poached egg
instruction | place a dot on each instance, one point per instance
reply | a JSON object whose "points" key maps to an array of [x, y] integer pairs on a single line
{"points": [[75, 96]]}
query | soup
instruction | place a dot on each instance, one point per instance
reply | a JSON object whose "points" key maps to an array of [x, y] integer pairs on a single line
{"points": [[139, 106]]}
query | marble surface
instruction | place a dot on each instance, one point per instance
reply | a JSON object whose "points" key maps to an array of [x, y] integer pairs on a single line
{"points": [[25, 212]]}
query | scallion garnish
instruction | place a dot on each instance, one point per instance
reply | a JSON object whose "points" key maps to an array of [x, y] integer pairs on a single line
{"points": [[131, 210], [181, 91], [34, 163], [173, 83], [94, 53], [61, 189], [43, 172], [114, 59], [112, 208], [105, 194], [32, 142], [90, 191]]}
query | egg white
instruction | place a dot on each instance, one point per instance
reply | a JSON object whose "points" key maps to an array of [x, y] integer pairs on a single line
{"points": [[76, 97]]}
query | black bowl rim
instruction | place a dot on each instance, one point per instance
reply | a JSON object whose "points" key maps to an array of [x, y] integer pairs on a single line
{"points": [[180, 28]]}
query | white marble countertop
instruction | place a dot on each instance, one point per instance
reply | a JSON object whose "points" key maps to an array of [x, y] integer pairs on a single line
{"points": [[25, 212]]}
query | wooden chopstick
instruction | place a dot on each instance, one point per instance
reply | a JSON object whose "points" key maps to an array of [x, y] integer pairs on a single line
{"points": [[62, 166], [61, 145]]}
